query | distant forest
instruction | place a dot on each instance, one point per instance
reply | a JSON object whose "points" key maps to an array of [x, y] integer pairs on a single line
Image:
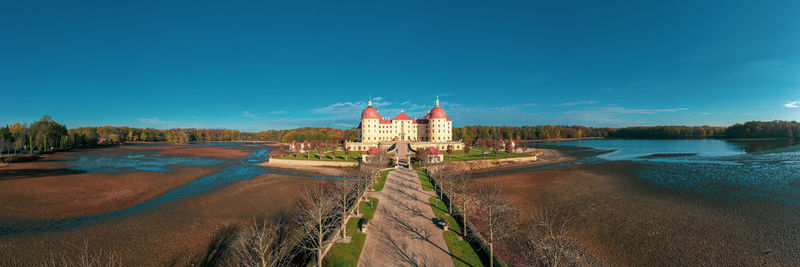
{"points": [[46, 134]]}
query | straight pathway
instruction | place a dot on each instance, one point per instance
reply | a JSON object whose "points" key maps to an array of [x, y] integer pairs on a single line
{"points": [[402, 232]]}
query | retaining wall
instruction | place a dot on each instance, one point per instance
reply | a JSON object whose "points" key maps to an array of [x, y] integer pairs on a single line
{"points": [[309, 163]]}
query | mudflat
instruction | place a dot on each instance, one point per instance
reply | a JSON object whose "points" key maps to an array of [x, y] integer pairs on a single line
{"points": [[626, 222], [176, 233], [51, 188]]}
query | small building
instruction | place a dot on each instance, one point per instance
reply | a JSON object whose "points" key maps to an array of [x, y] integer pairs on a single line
{"points": [[433, 155], [371, 152], [295, 145]]}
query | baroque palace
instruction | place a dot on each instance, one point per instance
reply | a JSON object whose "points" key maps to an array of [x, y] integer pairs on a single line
{"points": [[434, 130]]}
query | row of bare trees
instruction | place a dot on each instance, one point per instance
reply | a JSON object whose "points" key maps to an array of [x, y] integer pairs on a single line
{"points": [[325, 208], [319, 147], [540, 240], [496, 145], [321, 218]]}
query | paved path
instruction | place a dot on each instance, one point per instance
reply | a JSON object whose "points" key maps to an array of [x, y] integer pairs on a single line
{"points": [[402, 232]]}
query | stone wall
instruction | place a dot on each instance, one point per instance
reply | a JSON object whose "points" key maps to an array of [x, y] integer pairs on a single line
{"points": [[309, 163]]}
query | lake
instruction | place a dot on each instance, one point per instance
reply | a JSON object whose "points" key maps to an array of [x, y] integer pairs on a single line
{"points": [[740, 169]]}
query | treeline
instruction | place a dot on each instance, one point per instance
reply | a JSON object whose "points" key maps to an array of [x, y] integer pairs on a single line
{"points": [[558, 132], [42, 135], [90, 135], [46, 134], [764, 129], [668, 132], [527, 132]]}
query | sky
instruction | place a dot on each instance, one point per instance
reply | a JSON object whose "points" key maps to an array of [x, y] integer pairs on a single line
{"points": [[256, 65]]}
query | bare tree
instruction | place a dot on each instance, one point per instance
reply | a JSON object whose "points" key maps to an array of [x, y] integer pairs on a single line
{"points": [[467, 149], [85, 258], [547, 242], [265, 245], [464, 194], [308, 148], [343, 190], [496, 214], [316, 219], [509, 146]]}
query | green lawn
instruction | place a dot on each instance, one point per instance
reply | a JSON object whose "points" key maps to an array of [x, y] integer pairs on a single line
{"points": [[381, 181], [463, 254], [475, 154], [425, 180], [347, 254]]}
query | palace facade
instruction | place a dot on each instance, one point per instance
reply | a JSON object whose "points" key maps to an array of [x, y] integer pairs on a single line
{"points": [[434, 130]]}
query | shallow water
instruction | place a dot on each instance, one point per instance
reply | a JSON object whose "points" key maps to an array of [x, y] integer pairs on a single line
{"points": [[713, 168], [246, 168]]}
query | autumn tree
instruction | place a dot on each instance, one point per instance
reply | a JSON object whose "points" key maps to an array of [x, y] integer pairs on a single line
{"points": [[346, 151], [450, 151], [467, 149], [334, 148]]}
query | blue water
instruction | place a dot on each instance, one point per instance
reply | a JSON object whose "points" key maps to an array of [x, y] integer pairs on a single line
{"points": [[136, 162], [713, 168], [246, 168], [630, 149]]}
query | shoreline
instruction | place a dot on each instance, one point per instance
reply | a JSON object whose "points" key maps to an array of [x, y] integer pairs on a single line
{"points": [[623, 219]]}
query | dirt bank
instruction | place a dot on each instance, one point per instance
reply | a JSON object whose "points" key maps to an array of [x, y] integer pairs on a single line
{"points": [[174, 234]]}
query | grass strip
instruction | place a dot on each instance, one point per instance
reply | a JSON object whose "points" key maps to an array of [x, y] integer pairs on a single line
{"points": [[381, 181], [463, 254], [425, 180], [348, 254]]}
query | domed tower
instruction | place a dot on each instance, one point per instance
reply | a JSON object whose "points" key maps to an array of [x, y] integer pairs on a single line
{"points": [[440, 126], [369, 124]]}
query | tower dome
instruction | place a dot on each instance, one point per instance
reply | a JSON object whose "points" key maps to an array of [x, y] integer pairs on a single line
{"points": [[370, 112], [437, 112]]}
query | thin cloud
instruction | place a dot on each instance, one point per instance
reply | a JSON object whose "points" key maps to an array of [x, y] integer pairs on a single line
{"points": [[249, 114], [278, 112], [705, 113], [348, 108], [589, 102], [623, 110], [793, 104]]}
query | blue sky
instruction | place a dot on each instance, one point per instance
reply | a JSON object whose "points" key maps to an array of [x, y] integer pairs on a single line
{"points": [[254, 65]]}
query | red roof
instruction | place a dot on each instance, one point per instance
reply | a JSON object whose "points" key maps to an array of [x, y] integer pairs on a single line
{"points": [[402, 116], [370, 113], [373, 151], [438, 113], [433, 151]]}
